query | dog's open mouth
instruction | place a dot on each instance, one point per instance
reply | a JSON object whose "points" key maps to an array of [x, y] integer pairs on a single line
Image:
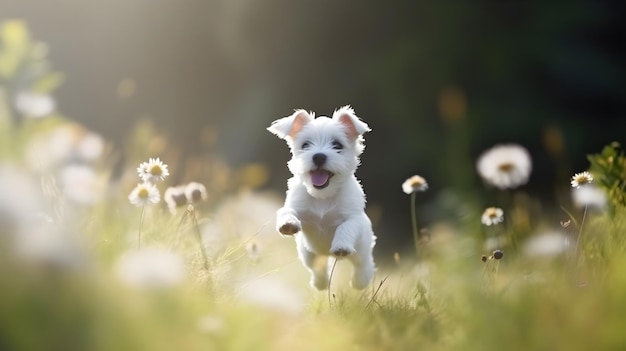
{"points": [[320, 178]]}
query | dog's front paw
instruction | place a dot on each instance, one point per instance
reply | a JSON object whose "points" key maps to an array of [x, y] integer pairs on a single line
{"points": [[290, 227], [342, 251]]}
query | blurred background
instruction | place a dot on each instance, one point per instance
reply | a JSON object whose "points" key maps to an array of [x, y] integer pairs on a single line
{"points": [[437, 81]]}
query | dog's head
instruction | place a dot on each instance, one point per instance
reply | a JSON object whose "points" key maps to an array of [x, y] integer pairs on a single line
{"points": [[325, 151]]}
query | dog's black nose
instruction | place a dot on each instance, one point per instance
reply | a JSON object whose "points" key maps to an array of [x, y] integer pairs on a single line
{"points": [[319, 159]]}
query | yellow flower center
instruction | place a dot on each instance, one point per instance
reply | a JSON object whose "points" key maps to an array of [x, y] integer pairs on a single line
{"points": [[492, 213], [417, 183], [156, 170], [582, 179], [506, 167], [143, 193]]}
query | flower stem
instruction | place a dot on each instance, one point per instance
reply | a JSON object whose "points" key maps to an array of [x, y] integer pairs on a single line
{"points": [[496, 273], [140, 226], [485, 278], [330, 279], [414, 224], [205, 259], [580, 230]]}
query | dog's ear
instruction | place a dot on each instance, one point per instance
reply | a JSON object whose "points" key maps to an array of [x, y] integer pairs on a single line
{"points": [[354, 126], [290, 126]]}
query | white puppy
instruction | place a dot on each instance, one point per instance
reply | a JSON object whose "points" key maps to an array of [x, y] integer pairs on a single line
{"points": [[325, 203]]}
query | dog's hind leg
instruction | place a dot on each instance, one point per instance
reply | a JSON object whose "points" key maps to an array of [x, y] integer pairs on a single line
{"points": [[363, 262], [317, 266]]}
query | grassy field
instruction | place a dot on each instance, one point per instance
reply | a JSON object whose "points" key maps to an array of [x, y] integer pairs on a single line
{"points": [[202, 268], [113, 276], [82, 296]]}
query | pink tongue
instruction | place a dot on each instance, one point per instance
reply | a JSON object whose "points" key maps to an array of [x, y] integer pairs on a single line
{"points": [[319, 178]]}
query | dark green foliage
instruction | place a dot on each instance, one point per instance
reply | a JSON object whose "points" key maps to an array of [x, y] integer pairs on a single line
{"points": [[609, 170]]}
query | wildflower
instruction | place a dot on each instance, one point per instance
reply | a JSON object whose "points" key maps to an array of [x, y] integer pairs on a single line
{"points": [[505, 166], [589, 195], [82, 184], [151, 268], [33, 104], [253, 249], [546, 244], [498, 254], [50, 149], [153, 170], [144, 194], [20, 200], [271, 294], [565, 224], [580, 179], [195, 192], [91, 147], [175, 197], [414, 184], [48, 244], [492, 216]]}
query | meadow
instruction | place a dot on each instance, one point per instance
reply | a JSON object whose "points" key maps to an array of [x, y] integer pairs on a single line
{"points": [[98, 258]]}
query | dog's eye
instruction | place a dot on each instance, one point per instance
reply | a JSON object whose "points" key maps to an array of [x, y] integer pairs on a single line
{"points": [[337, 145], [305, 145]]}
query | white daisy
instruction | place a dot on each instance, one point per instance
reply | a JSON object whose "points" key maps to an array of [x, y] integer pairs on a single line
{"points": [[272, 294], [505, 166], [589, 195], [48, 150], [548, 244], [492, 216], [91, 147], [35, 105], [195, 192], [153, 170], [144, 194], [174, 197], [82, 184], [49, 244], [580, 179], [151, 268], [21, 199], [414, 184]]}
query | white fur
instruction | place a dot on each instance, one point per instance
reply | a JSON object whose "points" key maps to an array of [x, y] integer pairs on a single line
{"points": [[328, 221]]}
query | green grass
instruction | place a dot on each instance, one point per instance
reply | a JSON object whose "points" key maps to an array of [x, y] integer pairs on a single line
{"points": [[73, 298], [560, 303]]}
